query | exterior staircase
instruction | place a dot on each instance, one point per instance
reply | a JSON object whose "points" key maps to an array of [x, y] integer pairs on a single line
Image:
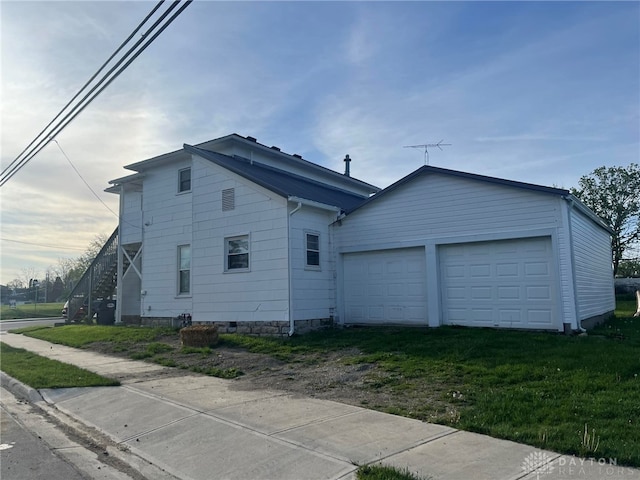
{"points": [[98, 282]]}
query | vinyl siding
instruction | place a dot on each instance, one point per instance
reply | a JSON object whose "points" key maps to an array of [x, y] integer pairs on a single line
{"points": [[131, 224], [593, 267], [260, 294], [313, 289], [169, 218], [441, 206]]}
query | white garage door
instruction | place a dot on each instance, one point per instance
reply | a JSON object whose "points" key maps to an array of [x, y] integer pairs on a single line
{"points": [[386, 286], [507, 283]]}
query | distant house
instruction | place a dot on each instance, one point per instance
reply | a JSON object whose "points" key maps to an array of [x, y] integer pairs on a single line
{"points": [[259, 241]]}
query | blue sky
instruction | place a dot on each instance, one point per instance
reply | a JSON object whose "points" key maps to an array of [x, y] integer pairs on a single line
{"points": [[541, 92]]}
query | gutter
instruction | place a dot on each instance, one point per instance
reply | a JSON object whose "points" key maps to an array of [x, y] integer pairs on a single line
{"points": [[292, 325]]}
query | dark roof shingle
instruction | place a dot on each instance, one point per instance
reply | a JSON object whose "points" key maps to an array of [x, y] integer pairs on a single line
{"points": [[281, 182]]}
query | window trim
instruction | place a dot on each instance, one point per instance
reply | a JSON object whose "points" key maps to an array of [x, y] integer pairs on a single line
{"points": [[179, 271], [226, 253], [180, 180], [306, 250]]}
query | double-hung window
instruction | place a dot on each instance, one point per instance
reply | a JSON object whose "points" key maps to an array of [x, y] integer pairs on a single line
{"points": [[184, 269], [312, 249], [237, 253], [184, 180]]}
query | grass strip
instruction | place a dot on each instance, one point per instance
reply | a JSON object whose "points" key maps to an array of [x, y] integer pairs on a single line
{"points": [[384, 472], [40, 372], [80, 335], [31, 310]]}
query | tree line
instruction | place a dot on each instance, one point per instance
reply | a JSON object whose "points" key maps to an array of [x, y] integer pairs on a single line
{"points": [[57, 281]]}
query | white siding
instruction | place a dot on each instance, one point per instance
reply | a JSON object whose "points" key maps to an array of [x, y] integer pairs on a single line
{"points": [[168, 219], [434, 210], [438, 206], [313, 289], [261, 294], [592, 266], [131, 222]]}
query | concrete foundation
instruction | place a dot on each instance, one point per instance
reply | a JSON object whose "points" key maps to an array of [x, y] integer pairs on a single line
{"points": [[254, 328]]}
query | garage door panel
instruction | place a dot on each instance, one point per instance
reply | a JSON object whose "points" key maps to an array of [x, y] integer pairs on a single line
{"points": [[506, 283], [506, 270], [395, 286]]}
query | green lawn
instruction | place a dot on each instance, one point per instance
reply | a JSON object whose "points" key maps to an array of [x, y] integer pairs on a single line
{"points": [[571, 394], [40, 372], [31, 310]]}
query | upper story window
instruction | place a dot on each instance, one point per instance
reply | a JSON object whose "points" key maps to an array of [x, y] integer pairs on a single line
{"points": [[184, 269], [184, 180], [312, 248], [237, 253]]}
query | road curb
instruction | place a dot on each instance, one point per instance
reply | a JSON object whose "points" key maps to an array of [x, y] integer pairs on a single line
{"points": [[19, 389]]}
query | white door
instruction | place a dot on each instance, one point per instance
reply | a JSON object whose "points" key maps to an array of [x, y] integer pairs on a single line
{"points": [[508, 283], [385, 287]]}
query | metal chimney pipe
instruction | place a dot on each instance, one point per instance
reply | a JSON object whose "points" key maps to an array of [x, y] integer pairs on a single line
{"points": [[347, 166]]}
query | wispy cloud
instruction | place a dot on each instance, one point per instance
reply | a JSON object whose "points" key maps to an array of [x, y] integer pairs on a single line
{"points": [[541, 92]]}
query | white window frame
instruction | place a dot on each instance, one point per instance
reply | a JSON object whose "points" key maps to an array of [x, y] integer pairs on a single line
{"points": [[226, 253], [306, 250], [180, 180], [179, 271]]}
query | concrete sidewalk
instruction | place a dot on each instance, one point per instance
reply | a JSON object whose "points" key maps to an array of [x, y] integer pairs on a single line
{"points": [[199, 427]]}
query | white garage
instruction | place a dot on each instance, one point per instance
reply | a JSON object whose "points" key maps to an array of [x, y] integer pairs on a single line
{"points": [[385, 287], [509, 283], [443, 247]]}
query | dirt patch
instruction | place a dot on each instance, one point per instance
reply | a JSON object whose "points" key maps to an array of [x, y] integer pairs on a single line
{"points": [[333, 375]]}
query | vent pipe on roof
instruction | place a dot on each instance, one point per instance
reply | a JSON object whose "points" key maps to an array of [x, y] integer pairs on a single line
{"points": [[347, 166], [251, 139]]}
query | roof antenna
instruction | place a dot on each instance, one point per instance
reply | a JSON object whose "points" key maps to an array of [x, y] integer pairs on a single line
{"points": [[426, 148]]}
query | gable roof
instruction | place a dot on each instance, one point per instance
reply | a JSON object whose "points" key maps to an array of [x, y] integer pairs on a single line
{"points": [[294, 160], [283, 183], [430, 170]]}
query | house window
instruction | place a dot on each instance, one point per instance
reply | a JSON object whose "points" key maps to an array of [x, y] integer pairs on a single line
{"points": [[228, 199], [184, 269], [237, 253], [184, 180], [312, 247]]}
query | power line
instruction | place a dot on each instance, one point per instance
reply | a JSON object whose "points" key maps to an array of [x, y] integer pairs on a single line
{"points": [[89, 186], [42, 245], [106, 79], [136, 30], [82, 178]]}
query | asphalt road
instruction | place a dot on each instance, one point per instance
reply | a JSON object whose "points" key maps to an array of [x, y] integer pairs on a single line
{"points": [[6, 325], [25, 456]]}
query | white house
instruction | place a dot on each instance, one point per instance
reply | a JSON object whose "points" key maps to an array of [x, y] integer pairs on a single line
{"points": [[259, 241]]}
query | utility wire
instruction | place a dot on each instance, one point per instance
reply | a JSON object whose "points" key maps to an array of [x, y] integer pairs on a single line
{"points": [[42, 245], [77, 109], [8, 173], [89, 81], [82, 178], [89, 186]]}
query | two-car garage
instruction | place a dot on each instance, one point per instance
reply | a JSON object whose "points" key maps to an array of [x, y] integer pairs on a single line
{"points": [[504, 283]]}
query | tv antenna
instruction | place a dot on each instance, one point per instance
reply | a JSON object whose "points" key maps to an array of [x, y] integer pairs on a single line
{"points": [[426, 147]]}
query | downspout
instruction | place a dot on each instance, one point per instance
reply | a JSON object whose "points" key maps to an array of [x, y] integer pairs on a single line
{"points": [[292, 325], [573, 263]]}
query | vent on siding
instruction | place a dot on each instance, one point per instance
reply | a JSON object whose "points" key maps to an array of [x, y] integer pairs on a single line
{"points": [[228, 199]]}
